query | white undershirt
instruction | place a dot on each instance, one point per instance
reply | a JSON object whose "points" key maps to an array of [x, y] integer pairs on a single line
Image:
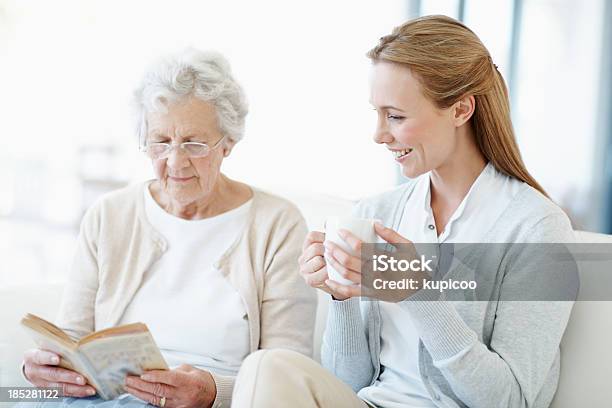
{"points": [[195, 316], [400, 383]]}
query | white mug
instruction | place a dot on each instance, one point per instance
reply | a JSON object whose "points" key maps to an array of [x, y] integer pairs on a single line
{"points": [[363, 228]]}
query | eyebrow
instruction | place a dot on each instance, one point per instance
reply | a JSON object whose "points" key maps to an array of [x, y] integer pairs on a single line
{"points": [[391, 107], [200, 136], [388, 107]]}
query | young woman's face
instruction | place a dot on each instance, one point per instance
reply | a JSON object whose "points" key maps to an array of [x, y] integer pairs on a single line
{"points": [[419, 135]]}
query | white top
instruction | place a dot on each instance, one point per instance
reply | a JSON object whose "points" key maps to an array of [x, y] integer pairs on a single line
{"points": [[182, 296], [400, 383]]}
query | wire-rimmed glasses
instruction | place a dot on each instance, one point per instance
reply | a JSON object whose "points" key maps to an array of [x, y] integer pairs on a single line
{"points": [[162, 150]]}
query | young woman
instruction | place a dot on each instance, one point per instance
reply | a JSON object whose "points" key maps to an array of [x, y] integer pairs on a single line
{"points": [[443, 113]]}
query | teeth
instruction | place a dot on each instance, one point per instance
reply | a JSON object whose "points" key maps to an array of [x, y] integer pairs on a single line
{"points": [[400, 153]]}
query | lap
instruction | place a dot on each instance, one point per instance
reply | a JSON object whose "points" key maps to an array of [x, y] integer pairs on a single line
{"points": [[128, 401], [271, 378]]}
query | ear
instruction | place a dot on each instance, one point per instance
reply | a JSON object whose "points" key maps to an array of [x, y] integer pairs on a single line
{"points": [[463, 110], [228, 146]]}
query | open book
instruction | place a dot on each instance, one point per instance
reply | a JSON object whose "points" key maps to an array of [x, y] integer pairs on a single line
{"points": [[103, 357]]}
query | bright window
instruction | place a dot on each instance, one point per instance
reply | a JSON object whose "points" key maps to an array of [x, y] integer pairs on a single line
{"points": [[68, 70]]}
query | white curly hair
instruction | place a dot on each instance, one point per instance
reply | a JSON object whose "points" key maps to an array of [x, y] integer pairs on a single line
{"points": [[205, 75]]}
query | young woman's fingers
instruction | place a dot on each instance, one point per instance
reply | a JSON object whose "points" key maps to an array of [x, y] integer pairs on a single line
{"points": [[343, 271], [312, 237], [352, 240], [389, 235], [316, 279], [314, 265], [342, 292], [344, 258], [314, 249]]}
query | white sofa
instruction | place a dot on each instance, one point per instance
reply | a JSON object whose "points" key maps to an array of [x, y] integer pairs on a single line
{"points": [[586, 378]]}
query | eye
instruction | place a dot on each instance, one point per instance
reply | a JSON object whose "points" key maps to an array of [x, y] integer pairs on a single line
{"points": [[395, 117], [158, 139]]}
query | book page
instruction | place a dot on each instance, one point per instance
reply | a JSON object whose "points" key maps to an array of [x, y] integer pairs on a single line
{"points": [[112, 358], [46, 327]]}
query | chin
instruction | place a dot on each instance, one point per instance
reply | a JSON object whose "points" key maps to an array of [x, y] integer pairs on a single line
{"points": [[411, 172], [183, 195]]}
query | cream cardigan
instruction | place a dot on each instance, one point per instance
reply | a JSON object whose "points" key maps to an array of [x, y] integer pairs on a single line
{"points": [[117, 244]]}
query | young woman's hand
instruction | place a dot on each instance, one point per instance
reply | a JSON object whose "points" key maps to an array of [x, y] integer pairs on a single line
{"points": [[184, 387], [350, 266], [313, 266], [41, 370], [312, 262]]}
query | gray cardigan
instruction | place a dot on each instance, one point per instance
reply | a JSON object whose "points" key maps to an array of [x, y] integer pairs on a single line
{"points": [[481, 354]]}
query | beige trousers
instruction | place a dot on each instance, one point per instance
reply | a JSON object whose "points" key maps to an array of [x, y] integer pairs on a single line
{"points": [[283, 378]]}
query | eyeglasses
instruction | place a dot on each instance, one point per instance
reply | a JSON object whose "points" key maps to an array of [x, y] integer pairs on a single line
{"points": [[192, 149]]}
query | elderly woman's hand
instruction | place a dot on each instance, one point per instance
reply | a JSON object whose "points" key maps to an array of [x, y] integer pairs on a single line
{"points": [[184, 386], [41, 370]]}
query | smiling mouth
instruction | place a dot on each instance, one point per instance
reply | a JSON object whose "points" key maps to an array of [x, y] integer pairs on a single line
{"points": [[401, 153]]}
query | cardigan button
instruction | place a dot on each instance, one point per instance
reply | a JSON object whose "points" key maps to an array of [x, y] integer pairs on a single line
{"points": [[431, 226]]}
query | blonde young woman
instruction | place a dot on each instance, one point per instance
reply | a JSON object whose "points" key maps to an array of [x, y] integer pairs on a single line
{"points": [[443, 113]]}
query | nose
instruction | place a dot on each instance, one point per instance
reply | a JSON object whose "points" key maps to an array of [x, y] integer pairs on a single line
{"points": [[177, 159], [382, 134]]}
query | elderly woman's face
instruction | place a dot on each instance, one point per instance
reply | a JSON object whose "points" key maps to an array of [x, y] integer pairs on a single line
{"points": [[186, 179]]}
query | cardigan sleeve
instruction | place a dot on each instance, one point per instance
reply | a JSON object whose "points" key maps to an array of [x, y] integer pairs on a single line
{"points": [[512, 371], [288, 305], [77, 307], [225, 387], [345, 350]]}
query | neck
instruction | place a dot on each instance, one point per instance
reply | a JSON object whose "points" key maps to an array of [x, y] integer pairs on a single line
{"points": [[451, 181]]}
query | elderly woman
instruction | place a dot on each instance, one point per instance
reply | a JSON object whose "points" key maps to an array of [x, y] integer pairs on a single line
{"points": [[208, 263]]}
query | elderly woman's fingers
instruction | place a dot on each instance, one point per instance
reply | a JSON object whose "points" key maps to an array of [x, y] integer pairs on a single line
{"points": [[341, 256], [312, 237], [170, 377], [70, 390], [58, 374], [344, 271], [183, 367], [152, 399], [41, 357], [155, 388], [313, 250], [314, 265]]}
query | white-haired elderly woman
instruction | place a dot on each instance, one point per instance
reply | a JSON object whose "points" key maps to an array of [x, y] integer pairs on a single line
{"points": [[208, 263]]}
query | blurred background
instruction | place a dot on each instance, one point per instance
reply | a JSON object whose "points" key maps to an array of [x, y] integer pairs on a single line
{"points": [[68, 69]]}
